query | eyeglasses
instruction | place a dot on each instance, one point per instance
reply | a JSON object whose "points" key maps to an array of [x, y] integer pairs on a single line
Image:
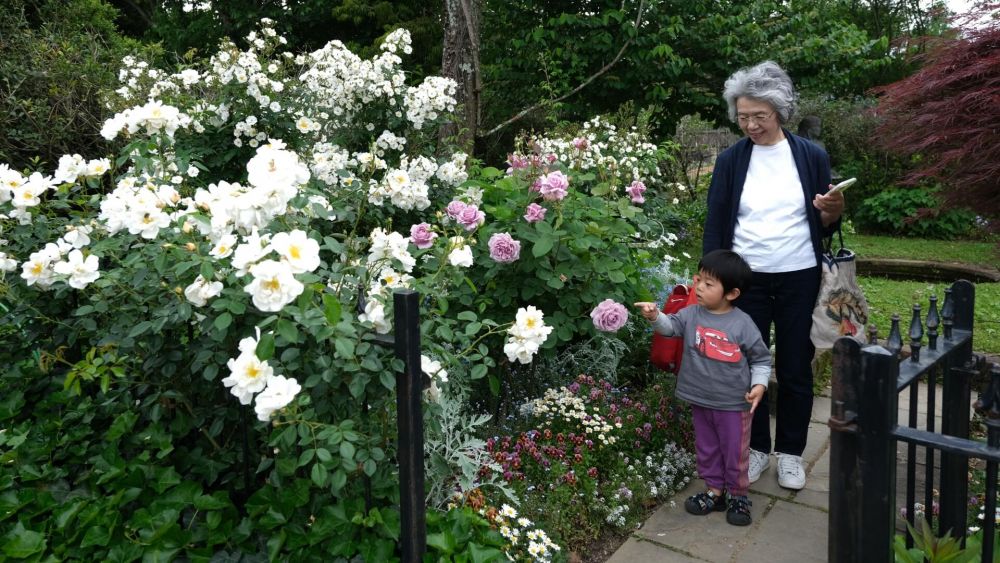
{"points": [[756, 118]]}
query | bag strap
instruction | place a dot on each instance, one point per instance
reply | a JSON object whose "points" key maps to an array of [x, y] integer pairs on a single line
{"points": [[828, 241]]}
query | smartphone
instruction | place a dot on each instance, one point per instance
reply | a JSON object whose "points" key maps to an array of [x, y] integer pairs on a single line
{"points": [[842, 186]]}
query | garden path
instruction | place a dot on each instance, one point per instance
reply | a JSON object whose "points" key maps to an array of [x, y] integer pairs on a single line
{"points": [[789, 526]]}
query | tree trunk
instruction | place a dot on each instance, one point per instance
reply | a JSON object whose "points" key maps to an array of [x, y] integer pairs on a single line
{"points": [[460, 62]]}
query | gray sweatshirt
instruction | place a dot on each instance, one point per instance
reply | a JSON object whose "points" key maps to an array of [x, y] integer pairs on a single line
{"points": [[724, 356]]}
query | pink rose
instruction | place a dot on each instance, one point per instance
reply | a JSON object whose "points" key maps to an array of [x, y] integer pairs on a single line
{"points": [[554, 186], [534, 213], [635, 190], [580, 144], [516, 162], [503, 248], [609, 315], [455, 208], [470, 217], [422, 236]]}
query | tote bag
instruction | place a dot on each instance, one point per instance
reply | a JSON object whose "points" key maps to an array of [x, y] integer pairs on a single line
{"points": [[841, 308], [665, 352]]}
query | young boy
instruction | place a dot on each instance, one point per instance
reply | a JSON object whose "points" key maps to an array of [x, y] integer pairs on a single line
{"points": [[724, 370]]}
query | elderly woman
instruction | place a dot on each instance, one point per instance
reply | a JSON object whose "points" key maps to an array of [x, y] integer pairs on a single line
{"points": [[767, 202]]}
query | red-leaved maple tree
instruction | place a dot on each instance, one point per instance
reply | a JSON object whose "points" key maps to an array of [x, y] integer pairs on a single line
{"points": [[948, 113]]}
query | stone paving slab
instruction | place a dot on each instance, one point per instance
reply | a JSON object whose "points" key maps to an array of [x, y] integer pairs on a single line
{"points": [[708, 538], [637, 550], [802, 533]]}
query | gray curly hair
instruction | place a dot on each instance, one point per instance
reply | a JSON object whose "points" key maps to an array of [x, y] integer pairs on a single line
{"points": [[765, 82]]}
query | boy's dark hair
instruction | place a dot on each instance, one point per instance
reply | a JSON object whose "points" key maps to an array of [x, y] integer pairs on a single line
{"points": [[727, 267]]}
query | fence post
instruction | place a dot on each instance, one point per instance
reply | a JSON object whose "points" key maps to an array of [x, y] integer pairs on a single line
{"points": [[409, 386], [877, 412], [846, 490], [955, 419]]}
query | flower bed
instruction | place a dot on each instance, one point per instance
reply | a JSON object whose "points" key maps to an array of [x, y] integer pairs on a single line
{"points": [[594, 457]]}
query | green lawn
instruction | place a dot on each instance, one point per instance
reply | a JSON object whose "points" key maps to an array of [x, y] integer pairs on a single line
{"points": [[886, 297], [972, 252]]}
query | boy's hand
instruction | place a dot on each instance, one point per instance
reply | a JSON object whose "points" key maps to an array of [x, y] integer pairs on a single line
{"points": [[648, 310], [754, 396]]}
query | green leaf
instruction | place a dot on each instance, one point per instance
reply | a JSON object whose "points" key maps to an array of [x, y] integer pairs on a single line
{"points": [[347, 451], [444, 542], [331, 308], [344, 348], [479, 372], [288, 331], [323, 455], [96, 535], [495, 386], [319, 474], [467, 316], [265, 346], [216, 501], [617, 276], [542, 246], [21, 544], [207, 271], [140, 328], [483, 554], [223, 321]]}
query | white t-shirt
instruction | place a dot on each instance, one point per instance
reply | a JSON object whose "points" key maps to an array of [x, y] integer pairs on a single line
{"points": [[772, 229]]}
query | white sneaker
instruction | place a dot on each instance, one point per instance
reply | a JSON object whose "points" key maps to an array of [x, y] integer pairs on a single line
{"points": [[759, 461], [791, 474]]}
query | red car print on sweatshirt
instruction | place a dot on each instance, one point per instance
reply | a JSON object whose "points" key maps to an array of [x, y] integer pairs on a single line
{"points": [[715, 345]]}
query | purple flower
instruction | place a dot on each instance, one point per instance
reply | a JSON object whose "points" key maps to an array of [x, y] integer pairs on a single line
{"points": [[470, 217], [554, 186], [455, 208], [503, 248], [609, 315], [422, 236], [635, 190], [580, 143], [534, 213]]}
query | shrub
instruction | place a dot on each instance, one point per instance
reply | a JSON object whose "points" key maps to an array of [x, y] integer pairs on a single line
{"points": [[56, 58], [915, 212]]}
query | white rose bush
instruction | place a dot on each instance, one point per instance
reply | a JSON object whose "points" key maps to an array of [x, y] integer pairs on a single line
{"points": [[210, 297]]}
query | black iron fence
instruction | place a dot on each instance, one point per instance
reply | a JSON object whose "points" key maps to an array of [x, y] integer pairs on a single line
{"points": [[865, 431], [410, 423]]}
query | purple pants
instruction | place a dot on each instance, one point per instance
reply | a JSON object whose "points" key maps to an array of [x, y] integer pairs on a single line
{"points": [[721, 444]]}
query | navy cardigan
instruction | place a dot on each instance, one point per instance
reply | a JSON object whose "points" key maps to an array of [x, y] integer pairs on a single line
{"points": [[730, 174]]}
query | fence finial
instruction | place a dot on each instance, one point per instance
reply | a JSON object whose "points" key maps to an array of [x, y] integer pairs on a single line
{"points": [[894, 342], [916, 334], [948, 313], [932, 324]]}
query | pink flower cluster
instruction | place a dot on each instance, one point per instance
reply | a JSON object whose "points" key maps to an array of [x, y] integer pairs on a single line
{"points": [[553, 186], [609, 315], [525, 161], [503, 248], [534, 213], [580, 143], [422, 236], [635, 190], [469, 216]]}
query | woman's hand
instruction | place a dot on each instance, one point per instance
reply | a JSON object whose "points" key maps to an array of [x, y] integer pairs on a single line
{"points": [[831, 206], [648, 310]]}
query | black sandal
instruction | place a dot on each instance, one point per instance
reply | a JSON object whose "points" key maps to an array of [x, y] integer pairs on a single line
{"points": [[703, 503], [738, 511]]}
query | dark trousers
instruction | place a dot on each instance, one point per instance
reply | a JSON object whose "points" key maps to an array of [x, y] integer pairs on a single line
{"points": [[785, 299]]}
